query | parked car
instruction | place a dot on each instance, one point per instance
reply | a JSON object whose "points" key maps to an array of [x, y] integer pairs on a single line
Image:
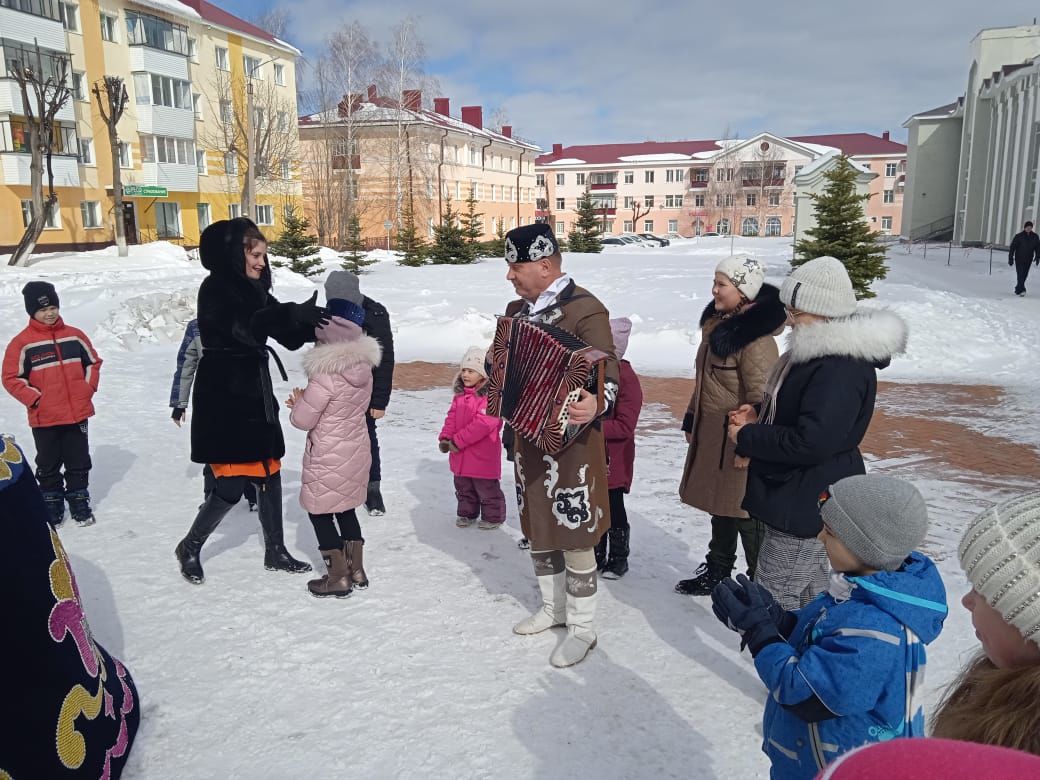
{"points": [[672, 235], [710, 234], [654, 239], [612, 241], [634, 240]]}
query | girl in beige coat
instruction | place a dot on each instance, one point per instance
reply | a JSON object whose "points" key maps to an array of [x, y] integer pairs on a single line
{"points": [[736, 354]]}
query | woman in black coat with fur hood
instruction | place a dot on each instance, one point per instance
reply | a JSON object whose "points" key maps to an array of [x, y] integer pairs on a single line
{"points": [[736, 354], [234, 425]]}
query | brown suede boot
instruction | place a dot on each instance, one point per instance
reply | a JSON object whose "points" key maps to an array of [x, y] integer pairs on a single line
{"points": [[337, 581], [354, 550]]}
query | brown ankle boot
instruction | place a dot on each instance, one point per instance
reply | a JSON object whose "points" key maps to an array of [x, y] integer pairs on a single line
{"points": [[337, 582], [354, 551]]}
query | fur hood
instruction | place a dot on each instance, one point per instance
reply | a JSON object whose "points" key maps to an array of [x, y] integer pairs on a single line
{"points": [[763, 317], [872, 335], [340, 356], [457, 387]]}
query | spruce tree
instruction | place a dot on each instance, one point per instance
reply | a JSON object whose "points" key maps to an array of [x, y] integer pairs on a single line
{"points": [[355, 259], [842, 231], [449, 240], [409, 241], [294, 244], [585, 237], [472, 226], [496, 247]]}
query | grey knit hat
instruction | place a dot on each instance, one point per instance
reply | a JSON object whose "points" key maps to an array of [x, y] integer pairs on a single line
{"points": [[880, 519], [821, 286], [1000, 553], [343, 285]]}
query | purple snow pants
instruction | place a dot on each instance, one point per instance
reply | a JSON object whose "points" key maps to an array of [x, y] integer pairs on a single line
{"points": [[480, 498]]}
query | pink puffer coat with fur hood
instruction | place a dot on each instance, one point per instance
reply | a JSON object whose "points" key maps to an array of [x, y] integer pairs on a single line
{"points": [[332, 410]]}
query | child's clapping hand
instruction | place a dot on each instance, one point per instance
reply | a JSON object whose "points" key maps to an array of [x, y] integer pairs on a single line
{"points": [[292, 399]]}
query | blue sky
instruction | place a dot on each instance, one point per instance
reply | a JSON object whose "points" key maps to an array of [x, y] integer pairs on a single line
{"points": [[594, 72]]}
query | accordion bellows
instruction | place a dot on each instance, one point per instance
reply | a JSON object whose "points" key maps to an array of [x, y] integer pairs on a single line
{"points": [[537, 371]]}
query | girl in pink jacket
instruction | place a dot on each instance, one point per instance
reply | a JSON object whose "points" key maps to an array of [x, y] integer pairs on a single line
{"points": [[337, 456], [475, 443]]}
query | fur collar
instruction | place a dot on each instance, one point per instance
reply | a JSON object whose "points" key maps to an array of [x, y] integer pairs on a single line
{"points": [[763, 317], [339, 356], [873, 335], [458, 388]]}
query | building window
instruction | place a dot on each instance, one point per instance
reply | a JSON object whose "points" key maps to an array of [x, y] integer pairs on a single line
{"points": [[579, 179], [125, 157], [69, 16], [648, 226], [773, 226], [648, 200], [628, 225], [630, 177], [722, 227], [700, 174], [673, 226], [167, 220], [147, 30], [264, 215], [648, 177], [173, 93], [193, 48], [675, 175], [559, 179], [279, 74], [886, 223], [251, 65], [78, 92], [673, 201], [890, 169], [539, 179], [561, 228], [108, 27], [560, 204], [698, 227], [91, 213], [202, 210], [234, 210], [226, 112], [287, 174], [493, 192], [889, 196], [231, 164], [283, 122], [774, 198], [723, 174], [196, 104], [698, 200], [159, 148], [749, 227], [86, 151], [751, 198], [200, 161], [222, 59], [53, 216]]}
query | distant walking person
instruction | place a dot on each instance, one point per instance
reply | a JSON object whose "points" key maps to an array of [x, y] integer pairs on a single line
{"points": [[1025, 249]]}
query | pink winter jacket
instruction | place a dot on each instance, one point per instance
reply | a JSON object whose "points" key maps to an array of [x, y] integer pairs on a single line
{"points": [[332, 410], [478, 437]]}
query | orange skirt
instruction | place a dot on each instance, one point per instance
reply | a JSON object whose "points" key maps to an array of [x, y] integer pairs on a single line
{"points": [[255, 469]]}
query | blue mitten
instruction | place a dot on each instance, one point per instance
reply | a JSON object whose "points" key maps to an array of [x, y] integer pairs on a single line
{"points": [[746, 612]]}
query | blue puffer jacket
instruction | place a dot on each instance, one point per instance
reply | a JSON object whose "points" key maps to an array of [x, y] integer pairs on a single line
{"points": [[849, 672]]}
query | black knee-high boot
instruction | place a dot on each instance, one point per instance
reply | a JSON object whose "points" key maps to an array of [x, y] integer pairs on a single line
{"points": [[269, 506], [210, 514]]}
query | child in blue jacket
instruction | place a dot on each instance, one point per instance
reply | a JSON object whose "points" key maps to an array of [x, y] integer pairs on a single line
{"points": [[844, 670]]}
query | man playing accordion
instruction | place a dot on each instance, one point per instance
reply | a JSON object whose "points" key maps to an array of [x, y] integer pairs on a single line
{"points": [[563, 499]]}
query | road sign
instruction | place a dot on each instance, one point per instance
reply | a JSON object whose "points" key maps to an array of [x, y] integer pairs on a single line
{"points": [[387, 225], [144, 191]]}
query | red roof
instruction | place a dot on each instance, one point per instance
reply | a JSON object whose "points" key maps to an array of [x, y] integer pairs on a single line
{"points": [[607, 154], [219, 16]]}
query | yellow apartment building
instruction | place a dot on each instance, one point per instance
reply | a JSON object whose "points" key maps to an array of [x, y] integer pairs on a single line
{"points": [[182, 153]]}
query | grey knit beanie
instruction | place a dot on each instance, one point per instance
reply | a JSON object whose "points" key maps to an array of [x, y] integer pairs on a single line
{"points": [[880, 519], [821, 286], [343, 285], [1000, 553]]}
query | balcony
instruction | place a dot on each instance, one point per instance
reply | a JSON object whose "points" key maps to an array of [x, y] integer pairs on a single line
{"points": [[609, 211], [29, 21], [11, 102], [163, 120], [605, 185], [15, 167], [165, 63], [774, 182], [173, 176], [339, 162], [698, 184]]}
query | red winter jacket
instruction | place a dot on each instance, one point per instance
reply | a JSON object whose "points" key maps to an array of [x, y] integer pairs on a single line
{"points": [[619, 429], [53, 370], [478, 436]]}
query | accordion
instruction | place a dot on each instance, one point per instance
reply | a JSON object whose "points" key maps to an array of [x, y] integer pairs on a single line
{"points": [[537, 371]]}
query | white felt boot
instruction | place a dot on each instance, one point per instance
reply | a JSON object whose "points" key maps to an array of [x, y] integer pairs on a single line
{"points": [[580, 636], [554, 606]]}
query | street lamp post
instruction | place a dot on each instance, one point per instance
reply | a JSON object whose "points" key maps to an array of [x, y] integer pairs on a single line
{"points": [[250, 194]]}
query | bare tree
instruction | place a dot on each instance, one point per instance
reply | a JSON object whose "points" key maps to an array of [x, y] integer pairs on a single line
{"points": [[112, 99], [274, 20], [50, 91], [639, 210], [725, 186], [271, 127]]}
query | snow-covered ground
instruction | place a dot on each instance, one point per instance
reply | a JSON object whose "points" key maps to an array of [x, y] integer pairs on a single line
{"points": [[248, 676]]}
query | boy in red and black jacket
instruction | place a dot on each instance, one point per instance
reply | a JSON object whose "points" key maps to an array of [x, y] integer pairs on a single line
{"points": [[53, 369]]}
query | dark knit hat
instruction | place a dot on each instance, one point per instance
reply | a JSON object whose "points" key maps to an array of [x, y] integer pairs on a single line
{"points": [[345, 286], [529, 243], [39, 295], [880, 519]]}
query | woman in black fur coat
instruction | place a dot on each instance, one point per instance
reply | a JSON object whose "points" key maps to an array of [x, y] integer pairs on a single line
{"points": [[234, 425], [735, 356]]}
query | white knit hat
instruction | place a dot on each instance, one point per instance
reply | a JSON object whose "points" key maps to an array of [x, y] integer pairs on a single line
{"points": [[821, 286], [474, 359], [746, 273], [1000, 553]]}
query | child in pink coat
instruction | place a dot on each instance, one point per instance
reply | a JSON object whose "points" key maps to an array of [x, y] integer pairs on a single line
{"points": [[475, 443], [337, 457]]}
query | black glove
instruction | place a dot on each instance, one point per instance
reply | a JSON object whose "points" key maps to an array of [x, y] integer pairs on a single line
{"points": [[178, 413], [1011, 261], [745, 612], [309, 313]]}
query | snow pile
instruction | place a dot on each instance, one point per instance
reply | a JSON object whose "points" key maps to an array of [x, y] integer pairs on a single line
{"points": [[151, 318]]}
